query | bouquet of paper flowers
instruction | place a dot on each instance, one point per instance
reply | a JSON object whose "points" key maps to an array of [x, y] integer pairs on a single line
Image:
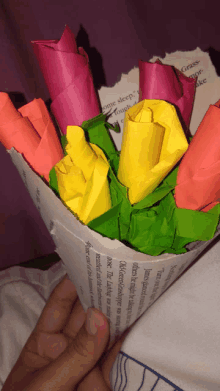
{"points": [[125, 223]]}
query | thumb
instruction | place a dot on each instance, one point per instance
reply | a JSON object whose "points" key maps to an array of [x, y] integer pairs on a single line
{"points": [[79, 357]]}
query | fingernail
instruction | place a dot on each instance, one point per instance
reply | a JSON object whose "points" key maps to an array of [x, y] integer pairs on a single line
{"points": [[94, 321]]}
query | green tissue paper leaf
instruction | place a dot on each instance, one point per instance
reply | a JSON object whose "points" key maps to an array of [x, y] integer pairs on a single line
{"points": [[98, 133], [152, 230], [64, 143], [160, 192], [108, 223], [116, 128], [53, 182], [114, 162], [192, 225], [120, 212]]}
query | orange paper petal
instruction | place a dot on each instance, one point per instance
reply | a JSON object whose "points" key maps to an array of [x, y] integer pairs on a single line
{"points": [[198, 180], [49, 151], [31, 132], [16, 131]]}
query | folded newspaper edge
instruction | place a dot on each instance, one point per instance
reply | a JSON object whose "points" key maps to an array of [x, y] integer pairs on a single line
{"points": [[108, 275]]}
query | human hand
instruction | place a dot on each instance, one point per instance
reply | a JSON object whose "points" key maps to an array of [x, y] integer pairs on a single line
{"points": [[63, 348]]}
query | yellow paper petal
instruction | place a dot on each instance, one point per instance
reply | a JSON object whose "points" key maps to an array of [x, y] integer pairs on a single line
{"points": [[97, 198], [153, 142], [71, 183], [80, 151], [87, 197], [141, 144], [146, 185]]}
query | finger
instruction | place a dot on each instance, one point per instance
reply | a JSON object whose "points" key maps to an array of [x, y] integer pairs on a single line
{"points": [[58, 308], [94, 378], [49, 346], [79, 357], [76, 320]]}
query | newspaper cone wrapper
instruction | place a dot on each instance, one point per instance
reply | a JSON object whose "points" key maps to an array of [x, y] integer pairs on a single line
{"points": [[119, 281]]}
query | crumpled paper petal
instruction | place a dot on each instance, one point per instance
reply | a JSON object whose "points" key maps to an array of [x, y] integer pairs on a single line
{"points": [[159, 81], [31, 132], [198, 184], [153, 142], [71, 183], [68, 78], [82, 177]]}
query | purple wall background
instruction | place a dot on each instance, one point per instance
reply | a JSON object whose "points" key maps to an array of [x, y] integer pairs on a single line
{"points": [[115, 35]]}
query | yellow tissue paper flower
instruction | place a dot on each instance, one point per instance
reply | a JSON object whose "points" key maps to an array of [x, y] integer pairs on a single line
{"points": [[82, 177], [153, 142]]}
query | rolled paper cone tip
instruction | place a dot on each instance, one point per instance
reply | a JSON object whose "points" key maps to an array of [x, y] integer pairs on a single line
{"points": [[158, 81], [71, 183], [80, 151], [4, 97], [145, 115], [75, 131], [38, 115], [57, 57], [67, 41], [88, 198], [162, 81], [7, 110], [217, 104], [31, 132], [77, 142], [149, 151], [34, 109], [73, 95], [16, 131]]}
